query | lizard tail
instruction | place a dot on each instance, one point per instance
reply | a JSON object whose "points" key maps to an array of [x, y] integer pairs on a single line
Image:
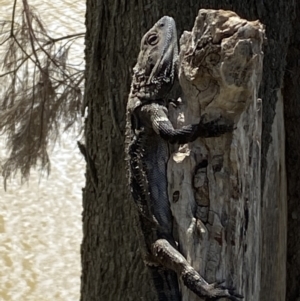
{"points": [[165, 283]]}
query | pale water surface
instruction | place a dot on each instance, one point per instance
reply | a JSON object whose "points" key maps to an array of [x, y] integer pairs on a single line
{"points": [[40, 222]]}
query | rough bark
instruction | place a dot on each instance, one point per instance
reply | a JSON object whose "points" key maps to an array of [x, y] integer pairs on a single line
{"points": [[291, 94], [112, 268], [216, 181], [111, 264]]}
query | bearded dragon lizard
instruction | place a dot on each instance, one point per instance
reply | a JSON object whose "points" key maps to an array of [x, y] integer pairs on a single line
{"points": [[148, 132]]}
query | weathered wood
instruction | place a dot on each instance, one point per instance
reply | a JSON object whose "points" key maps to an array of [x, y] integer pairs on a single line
{"points": [[214, 184]]}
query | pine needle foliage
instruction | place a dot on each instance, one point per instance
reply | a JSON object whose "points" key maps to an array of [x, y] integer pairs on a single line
{"points": [[42, 91]]}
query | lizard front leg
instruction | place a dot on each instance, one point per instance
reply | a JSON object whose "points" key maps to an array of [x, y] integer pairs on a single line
{"points": [[155, 116]]}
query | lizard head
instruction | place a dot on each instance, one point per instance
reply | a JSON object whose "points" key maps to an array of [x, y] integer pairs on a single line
{"points": [[156, 64]]}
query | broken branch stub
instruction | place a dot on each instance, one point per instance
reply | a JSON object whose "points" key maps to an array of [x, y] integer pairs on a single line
{"points": [[214, 183]]}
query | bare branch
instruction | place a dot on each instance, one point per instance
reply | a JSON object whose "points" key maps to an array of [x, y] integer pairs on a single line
{"points": [[5, 41], [43, 91], [31, 31], [65, 37], [13, 18]]}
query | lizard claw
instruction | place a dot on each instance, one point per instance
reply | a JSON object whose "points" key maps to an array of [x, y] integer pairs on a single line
{"points": [[215, 127], [217, 290], [219, 283], [211, 292]]}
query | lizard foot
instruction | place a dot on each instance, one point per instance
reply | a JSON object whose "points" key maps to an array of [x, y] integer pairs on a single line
{"points": [[212, 291], [215, 127]]}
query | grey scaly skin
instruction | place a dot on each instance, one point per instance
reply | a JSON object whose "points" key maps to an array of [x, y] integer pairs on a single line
{"points": [[148, 132]]}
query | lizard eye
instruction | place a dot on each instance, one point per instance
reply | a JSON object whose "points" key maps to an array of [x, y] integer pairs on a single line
{"points": [[152, 39]]}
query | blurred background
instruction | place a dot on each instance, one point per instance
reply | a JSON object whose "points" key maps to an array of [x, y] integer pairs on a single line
{"points": [[40, 221]]}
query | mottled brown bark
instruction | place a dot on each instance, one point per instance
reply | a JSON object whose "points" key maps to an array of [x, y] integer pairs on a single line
{"points": [[111, 264]]}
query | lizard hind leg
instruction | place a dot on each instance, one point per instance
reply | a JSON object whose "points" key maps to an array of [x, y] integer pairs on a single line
{"points": [[170, 258]]}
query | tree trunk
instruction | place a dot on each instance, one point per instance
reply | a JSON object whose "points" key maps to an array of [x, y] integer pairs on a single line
{"points": [[291, 95], [111, 264]]}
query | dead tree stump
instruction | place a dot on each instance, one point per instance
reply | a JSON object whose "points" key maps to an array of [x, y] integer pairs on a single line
{"points": [[214, 183]]}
